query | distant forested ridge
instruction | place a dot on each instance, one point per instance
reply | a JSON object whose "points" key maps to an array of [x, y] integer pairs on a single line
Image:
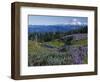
{"points": [[45, 33], [53, 28]]}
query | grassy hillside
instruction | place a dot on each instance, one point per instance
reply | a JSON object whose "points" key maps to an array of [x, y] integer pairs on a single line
{"points": [[39, 55], [57, 52]]}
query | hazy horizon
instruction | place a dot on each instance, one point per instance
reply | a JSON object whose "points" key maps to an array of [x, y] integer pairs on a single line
{"points": [[56, 20]]}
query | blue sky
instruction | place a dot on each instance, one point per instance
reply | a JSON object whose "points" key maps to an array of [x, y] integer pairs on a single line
{"points": [[52, 20]]}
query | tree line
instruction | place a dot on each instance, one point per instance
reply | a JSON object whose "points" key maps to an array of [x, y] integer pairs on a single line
{"points": [[49, 36]]}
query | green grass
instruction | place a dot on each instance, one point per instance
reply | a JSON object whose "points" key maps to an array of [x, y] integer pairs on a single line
{"points": [[79, 42], [35, 48], [85, 61], [56, 43], [39, 55]]}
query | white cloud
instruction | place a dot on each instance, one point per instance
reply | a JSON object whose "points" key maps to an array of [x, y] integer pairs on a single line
{"points": [[76, 22]]}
